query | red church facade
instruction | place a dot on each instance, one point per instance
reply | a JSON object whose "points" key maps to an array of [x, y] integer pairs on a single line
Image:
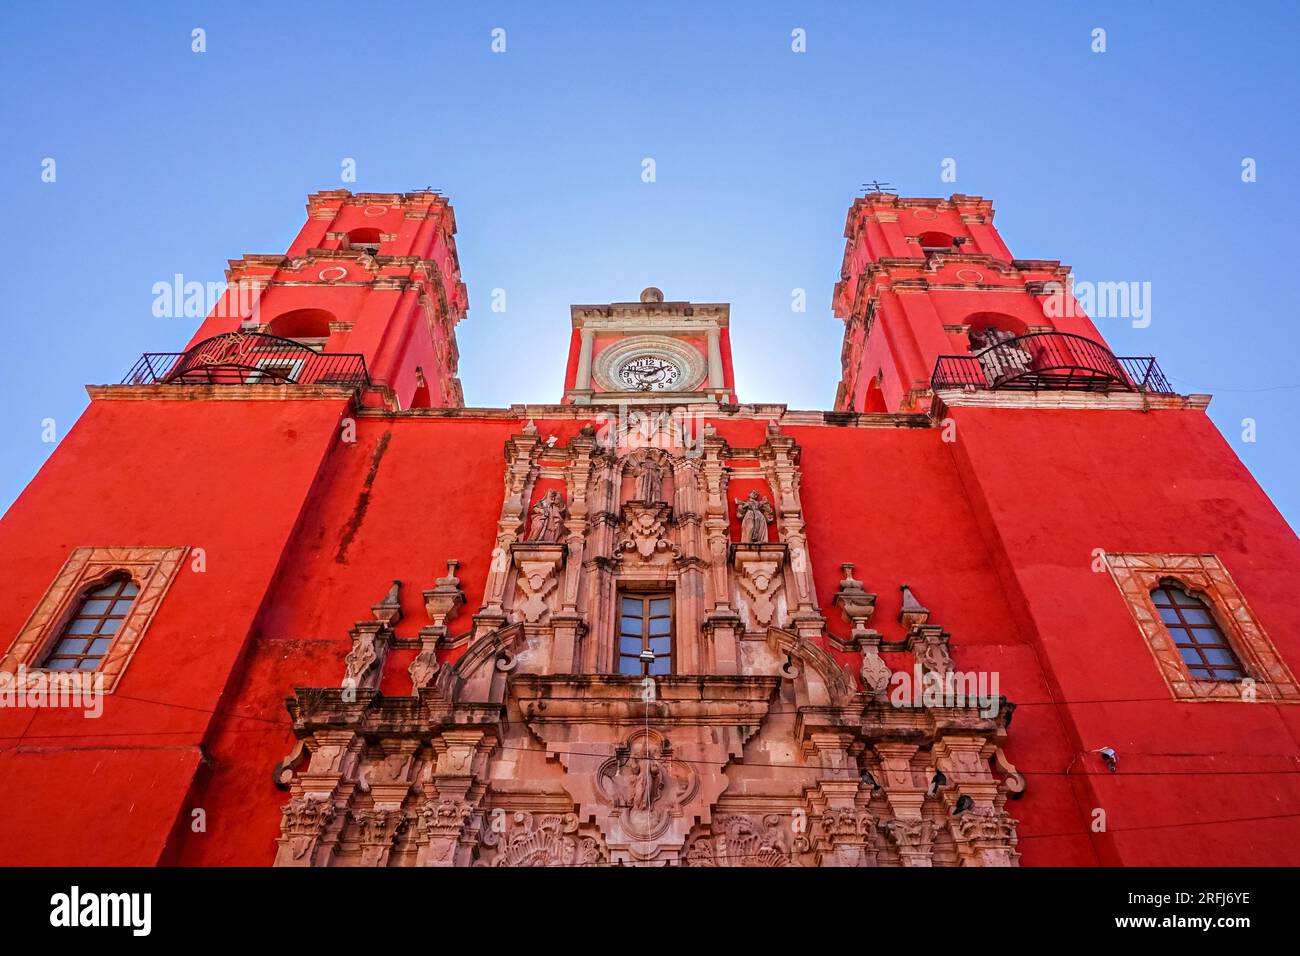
{"points": [[1014, 601]]}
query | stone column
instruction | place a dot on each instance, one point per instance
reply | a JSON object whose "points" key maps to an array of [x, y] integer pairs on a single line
{"points": [[715, 359], [583, 378]]}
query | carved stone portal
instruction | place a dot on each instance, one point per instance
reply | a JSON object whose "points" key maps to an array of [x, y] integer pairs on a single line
{"points": [[528, 748]]}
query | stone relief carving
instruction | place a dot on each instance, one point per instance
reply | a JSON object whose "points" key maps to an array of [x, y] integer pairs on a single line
{"points": [[538, 577], [646, 784], [364, 663], [742, 840], [645, 533], [541, 839], [760, 577]]}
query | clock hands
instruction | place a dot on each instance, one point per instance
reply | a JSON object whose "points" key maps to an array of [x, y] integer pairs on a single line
{"points": [[649, 373]]}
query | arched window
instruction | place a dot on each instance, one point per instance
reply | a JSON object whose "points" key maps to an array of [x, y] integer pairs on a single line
{"points": [[935, 242], [88, 634], [364, 240], [1204, 648]]}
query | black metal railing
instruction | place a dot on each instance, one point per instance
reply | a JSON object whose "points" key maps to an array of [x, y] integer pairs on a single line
{"points": [[1049, 360], [250, 358]]}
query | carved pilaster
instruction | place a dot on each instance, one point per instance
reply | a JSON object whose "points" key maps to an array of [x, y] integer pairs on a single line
{"points": [[521, 454], [986, 837], [914, 838], [905, 789], [441, 824], [307, 822], [377, 828], [780, 456], [850, 832], [717, 524]]}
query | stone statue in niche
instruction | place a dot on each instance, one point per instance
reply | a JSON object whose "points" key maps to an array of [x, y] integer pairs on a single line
{"points": [[755, 514], [650, 481], [548, 518]]}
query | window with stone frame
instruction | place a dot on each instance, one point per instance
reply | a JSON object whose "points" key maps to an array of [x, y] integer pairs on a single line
{"points": [[645, 627], [88, 634], [95, 613], [1206, 640], [1190, 622]]}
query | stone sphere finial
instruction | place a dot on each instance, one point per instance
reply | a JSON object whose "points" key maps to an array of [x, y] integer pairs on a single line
{"points": [[652, 294]]}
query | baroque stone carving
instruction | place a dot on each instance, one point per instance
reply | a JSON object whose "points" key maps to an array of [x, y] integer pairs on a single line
{"points": [[530, 750], [364, 664], [930, 649], [540, 839], [377, 828], [538, 566], [389, 610], [740, 840], [303, 822], [760, 576], [645, 533], [650, 481], [548, 518], [755, 514], [914, 838], [646, 784], [875, 673], [988, 835], [423, 668]]}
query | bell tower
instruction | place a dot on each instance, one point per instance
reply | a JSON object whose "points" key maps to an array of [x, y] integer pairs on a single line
{"points": [[369, 274], [650, 351], [925, 279]]}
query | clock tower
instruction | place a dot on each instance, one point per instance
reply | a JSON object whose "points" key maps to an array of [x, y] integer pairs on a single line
{"points": [[650, 351]]}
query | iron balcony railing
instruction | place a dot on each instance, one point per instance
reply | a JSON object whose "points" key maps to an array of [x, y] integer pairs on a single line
{"points": [[1049, 360], [250, 358]]}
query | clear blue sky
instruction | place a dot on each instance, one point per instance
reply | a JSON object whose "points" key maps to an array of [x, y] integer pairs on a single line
{"points": [[1124, 164]]}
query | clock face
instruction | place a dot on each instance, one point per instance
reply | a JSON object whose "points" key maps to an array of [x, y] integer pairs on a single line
{"points": [[647, 373]]}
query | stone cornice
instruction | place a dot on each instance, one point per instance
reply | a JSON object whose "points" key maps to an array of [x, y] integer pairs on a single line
{"points": [[664, 316], [1062, 399], [241, 393], [760, 413], [973, 208]]}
